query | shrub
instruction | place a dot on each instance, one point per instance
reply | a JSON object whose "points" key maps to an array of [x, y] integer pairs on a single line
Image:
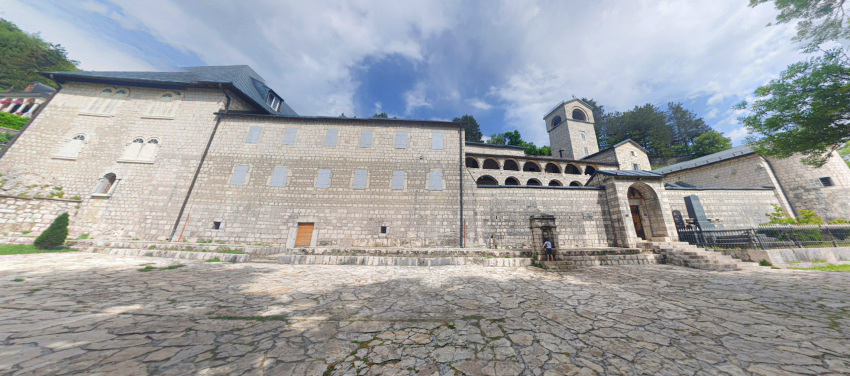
{"points": [[764, 262], [12, 121], [839, 221], [55, 235]]}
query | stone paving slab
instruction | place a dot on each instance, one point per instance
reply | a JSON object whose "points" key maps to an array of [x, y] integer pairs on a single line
{"points": [[94, 314]]}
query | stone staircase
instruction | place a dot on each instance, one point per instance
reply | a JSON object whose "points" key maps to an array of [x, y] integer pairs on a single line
{"points": [[579, 258], [400, 256], [691, 256]]}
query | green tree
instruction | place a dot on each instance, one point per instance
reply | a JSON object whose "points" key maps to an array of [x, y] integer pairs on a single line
{"points": [[806, 110], [817, 21], [26, 54], [55, 235], [473, 131], [382, 115], [709, 143], [685, 124]]}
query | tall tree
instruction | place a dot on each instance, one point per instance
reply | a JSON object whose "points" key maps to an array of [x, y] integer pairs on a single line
{"points": [[709, 143], [806, 110], [818, 21], [685, 124], [382, 115], [26, 54], [471, 127]]}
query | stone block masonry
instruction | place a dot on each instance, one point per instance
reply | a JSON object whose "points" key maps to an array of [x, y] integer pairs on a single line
{"points": [[34, 215], [736, 208]]}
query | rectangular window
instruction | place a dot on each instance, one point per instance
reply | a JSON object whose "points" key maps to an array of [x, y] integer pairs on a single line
{"points": [[401, 140], [324, 179], [383, 229], [366, 139], [586, 151], [359, 179], [279, 177], [633, 154], [635, 166], [330, 137], [826, 182], [398, 179], [253, 135], [289, 136], [239, 174], [216, 225], [437, 141], [583, 136], [435, 181]]}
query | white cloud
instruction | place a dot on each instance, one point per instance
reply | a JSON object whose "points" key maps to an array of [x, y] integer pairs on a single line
{"points": [[479, 104], [415, 98], [738, 134]]}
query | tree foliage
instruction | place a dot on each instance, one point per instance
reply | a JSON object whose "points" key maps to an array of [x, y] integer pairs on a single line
{"points": [[806, 110], [12, 121], [818, 21], [55, 235], [471, 127], [709, 143], [382, 115], [26, 54], [513, 138]]}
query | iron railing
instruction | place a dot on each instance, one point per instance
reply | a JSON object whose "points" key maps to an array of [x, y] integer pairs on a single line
{"points": [[769, 237]]}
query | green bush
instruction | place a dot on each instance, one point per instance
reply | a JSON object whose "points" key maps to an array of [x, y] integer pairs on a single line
{"points": [[764, 262], [839, 221], [55, 235], [12, 121]]}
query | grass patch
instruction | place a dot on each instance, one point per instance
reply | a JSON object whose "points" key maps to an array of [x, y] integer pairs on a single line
{"points": [[82, 237], [18, 280], [252, 318], [828, 268], [22, 249], [33, 291], [150, 268], [818, 260], [764, 262], [214, 259], [230, 251]]}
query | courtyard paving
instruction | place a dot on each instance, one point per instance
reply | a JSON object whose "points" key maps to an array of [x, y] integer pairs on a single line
{"points": [[99, 315]]}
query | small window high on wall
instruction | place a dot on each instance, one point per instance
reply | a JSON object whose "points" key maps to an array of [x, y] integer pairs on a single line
{"points": [[140, 150], [165, 106], [105, 186], [71, 149], [106, 101]]}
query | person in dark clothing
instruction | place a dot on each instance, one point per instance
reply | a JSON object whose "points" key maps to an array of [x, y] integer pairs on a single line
{"points": [[547, 246]]}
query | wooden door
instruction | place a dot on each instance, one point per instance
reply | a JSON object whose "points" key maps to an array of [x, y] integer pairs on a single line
{"points": [[304, 235], [636, 219]]}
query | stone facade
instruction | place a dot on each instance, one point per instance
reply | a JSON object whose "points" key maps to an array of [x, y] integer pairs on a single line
{"points": [[206, 163]]}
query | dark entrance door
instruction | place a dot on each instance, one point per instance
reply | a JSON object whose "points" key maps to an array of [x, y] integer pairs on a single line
{"points": [[636, 219]]}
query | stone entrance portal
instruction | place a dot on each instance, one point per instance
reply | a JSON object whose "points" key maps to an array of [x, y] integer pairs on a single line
{"points": [[646, 213], [543, 227]]}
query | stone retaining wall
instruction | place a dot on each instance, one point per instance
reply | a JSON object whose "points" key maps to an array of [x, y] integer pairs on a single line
{"points": [[735, 208], [32, 214], [413, 252], [789, 255], [402, 261], [224, 257]]}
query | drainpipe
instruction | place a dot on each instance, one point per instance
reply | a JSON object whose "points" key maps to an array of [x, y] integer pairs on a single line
{"points": [[201, 163], [32, 119], [460, 175]]}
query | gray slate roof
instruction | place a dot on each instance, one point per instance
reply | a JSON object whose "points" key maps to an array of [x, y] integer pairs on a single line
{"points": [[241, 77], [708, 159]]}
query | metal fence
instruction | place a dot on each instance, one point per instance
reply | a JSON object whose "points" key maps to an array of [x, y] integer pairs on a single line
{"points": [[769, 237]]}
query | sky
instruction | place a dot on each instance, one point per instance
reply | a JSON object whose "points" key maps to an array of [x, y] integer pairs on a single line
{"points": [[507, 63]]}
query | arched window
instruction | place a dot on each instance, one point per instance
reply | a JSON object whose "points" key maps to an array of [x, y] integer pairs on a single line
{"points": [[490, 164], [165, 106], [533, 182], [575, 184], [579, 115], [139, 151], [471, 162], [72, 147], [556, 121], [105, 185], [487, 180], [572, 169], [583, 136], [634, 194], [589, 170], [107, 101], [511, 181], [531, 167], [555, 183], [510, 165], [553, 168]]}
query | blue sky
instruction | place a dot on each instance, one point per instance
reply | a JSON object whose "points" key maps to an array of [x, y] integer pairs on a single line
{"points": [[504, 62]]}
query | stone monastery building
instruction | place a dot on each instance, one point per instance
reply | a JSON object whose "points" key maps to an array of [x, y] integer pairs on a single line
{"points": [[213, 154]]}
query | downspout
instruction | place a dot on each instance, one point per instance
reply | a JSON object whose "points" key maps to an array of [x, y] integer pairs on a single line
{"points": [[32, 118], [779, 186], [460, 175], [201, 163]]}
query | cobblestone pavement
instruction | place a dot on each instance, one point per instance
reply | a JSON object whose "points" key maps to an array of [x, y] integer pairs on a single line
{"points": [[98, 314]]}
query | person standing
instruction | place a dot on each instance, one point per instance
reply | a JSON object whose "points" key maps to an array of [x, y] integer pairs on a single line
{"points": [[547, 246]]}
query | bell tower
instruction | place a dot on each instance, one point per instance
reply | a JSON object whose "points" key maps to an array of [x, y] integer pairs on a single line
{"points": [[571, 132]]}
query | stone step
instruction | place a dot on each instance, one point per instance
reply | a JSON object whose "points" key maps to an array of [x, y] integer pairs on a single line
{"points": [[401, 261], [183, 255]]}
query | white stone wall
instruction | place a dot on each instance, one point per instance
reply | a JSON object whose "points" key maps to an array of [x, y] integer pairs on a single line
{"points": [[481, 149], [800, 184], [734, 208], [257, 213], [32, 214], [628, 155], [746, 171], [147, 196]]}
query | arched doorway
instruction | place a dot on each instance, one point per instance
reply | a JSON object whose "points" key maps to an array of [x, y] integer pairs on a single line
{"points": [[486, 180], [490, 164], [552, 168], [471, 162], [575, 183], [572, 169], [533, 182], [645, 210], [531, 167], [511, 181], [555, 183], [511, 165]]}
